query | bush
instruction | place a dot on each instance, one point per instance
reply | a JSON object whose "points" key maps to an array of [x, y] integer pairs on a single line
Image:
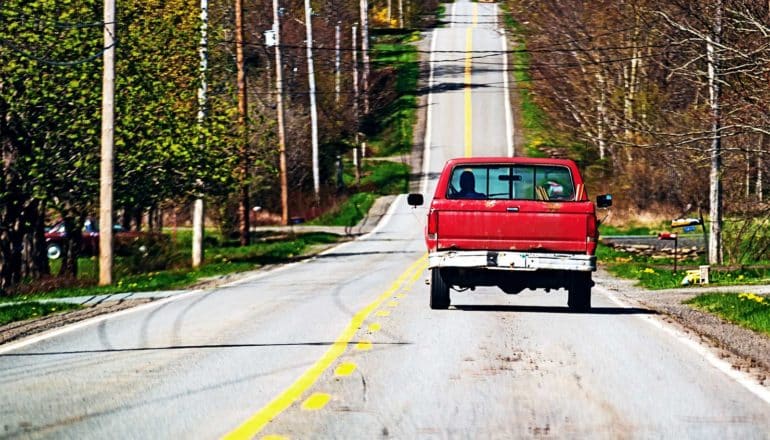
{"points": [[146, 252]]}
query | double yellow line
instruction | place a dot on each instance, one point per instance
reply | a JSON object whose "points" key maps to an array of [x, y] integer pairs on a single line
{"points": [[468, 90], [256, 422]]}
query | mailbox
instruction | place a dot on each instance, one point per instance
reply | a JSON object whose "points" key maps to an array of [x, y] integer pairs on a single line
{"points": [[681, 222]]}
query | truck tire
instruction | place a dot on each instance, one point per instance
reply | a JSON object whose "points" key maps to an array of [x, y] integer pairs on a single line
{"points": [[53, 251], [439, 291], [579, 299]]}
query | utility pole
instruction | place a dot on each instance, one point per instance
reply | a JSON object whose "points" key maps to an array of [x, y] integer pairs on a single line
{"points": [[108, 133], [197, 241], [279, 109], [715, 175], [337, 61], [356, 161], [244, 210], [364, 5], [313, 109], [365, 51]]}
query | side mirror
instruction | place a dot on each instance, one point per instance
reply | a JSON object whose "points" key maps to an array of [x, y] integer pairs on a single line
{"points": [[414, 200], [604, 201]]}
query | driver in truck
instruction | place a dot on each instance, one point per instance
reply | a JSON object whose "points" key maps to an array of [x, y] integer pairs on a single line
{"points": [[468, 187]]}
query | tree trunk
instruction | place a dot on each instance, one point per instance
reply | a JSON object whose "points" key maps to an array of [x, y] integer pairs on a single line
{"points": [[758, 190], [244, 216]]}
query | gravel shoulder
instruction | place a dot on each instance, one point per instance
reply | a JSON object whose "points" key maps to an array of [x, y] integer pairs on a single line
{"points": [[745, 349]]}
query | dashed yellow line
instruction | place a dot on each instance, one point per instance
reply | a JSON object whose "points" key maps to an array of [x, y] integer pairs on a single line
{"points": [[382, 313], [345, 369], [280, 403], [364, 345], [316, 401], [374, 327]]}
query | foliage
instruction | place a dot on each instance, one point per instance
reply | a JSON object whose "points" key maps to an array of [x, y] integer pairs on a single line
{"points": [[624, 87], [219, 261], [745, 309], [349, 213], [396, 113]]}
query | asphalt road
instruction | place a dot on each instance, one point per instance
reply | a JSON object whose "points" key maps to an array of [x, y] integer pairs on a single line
{"points": [[345, 346]]}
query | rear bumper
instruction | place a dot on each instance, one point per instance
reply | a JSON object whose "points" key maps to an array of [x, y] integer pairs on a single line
{"points": [[508, 260]]}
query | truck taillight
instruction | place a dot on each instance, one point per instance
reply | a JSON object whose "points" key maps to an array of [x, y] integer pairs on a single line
{"points": [[432, 223], [591, 232]]}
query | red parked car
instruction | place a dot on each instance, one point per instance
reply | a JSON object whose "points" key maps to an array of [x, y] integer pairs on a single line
{"points": [[57, 234]]}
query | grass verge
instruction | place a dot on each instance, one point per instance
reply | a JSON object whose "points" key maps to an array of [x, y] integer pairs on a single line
{"points": [[658, 274], [533, 118], [391, 126], [19, 312], [380, 177], [219, 261], [745, 309]]}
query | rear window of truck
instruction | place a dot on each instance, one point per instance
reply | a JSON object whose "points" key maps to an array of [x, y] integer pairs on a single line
{"points": [[512, 182]]}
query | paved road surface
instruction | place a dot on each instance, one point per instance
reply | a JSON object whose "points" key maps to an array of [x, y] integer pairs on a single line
{"points": [[345, 346]]}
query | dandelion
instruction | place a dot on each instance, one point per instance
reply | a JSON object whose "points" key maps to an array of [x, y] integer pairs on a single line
{"points": [[753, 297], [648, 270]]}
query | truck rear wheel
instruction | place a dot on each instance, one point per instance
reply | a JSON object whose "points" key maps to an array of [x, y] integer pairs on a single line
{"points": [[439, 291], [579, 299]]}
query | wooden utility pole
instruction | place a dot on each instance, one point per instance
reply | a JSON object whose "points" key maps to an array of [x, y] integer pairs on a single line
{"points": [[197, 241], [356, 116], [108, 133], [244, 210], [279, 109], [313, 109], [365, 51], [715, 176], [364, 5], [337, 38]]}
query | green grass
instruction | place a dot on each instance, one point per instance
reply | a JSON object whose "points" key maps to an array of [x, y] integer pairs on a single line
{"points": [[19, 312], [378, 178], [747, 310], [218, 261], [349, 213], [659, 274], [533, 118], [629, 230], [393, 124]]}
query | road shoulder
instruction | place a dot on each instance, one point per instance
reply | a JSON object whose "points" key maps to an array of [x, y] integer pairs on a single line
{"points": [[746, 350]]}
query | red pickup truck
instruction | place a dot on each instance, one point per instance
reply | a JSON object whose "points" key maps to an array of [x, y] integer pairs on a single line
{"points": [[511, 222]]}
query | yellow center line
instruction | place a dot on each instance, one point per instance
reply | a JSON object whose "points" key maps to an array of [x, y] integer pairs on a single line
{"points": [[280, 403], [468, 94], [345, 369], [316, 401]]}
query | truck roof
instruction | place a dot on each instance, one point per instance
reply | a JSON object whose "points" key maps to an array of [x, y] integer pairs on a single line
{"points": [[513, 160]]}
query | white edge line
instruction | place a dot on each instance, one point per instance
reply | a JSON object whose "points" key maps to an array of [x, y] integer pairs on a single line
{"points": [[428, 117], [509, 129], [725, 367], [11, 346]]}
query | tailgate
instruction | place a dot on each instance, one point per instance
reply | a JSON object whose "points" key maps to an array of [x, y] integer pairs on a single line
{"points": [[521, 225]]}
